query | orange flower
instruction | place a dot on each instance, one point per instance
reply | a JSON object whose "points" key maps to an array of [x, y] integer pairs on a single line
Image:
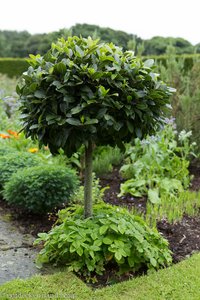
{"points": [[14, 133], [4, 136], [33, 150]]}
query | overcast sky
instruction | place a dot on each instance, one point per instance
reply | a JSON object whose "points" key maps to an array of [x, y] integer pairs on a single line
{"points": [[145, 18]]}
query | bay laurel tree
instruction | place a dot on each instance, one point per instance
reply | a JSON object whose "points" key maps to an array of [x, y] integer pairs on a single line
{"points": [[86, 92]]}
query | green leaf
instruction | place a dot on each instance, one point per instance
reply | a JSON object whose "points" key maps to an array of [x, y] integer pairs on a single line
{"points": [[79, 51], [60, 68], [153, 262], [103, 229], [153, 196], [118, 255], [34, 126], [107, 241], [149, 63], [91, 121], [76, 110], [130, 126], [39, 94], [79, 251], [73, 121]]}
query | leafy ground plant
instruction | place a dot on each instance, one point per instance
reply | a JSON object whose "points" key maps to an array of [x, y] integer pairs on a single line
{"points": [[97, 192], [173, 208], [158, 165], [113, 236]]}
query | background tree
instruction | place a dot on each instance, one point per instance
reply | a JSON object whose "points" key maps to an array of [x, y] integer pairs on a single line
{"points": [[85, 92], [158, 45]]}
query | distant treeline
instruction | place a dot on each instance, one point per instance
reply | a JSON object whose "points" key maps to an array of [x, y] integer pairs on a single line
{"points": [[21, 44]]}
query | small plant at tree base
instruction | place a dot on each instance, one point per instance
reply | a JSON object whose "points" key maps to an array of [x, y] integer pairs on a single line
{"points": [[113, 236], [42, 188], [82, 92], [14, 161], [97, 192], [105, 158]]}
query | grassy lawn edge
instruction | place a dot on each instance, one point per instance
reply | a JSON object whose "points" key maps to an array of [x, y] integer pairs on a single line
{"points": [[181, 281]]}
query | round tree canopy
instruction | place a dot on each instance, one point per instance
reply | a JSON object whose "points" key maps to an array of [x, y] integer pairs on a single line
{"points": [[82, 90]]}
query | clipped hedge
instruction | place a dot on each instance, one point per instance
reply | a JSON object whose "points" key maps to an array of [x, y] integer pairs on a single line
{"points": [[13, 67], [13, 161]]}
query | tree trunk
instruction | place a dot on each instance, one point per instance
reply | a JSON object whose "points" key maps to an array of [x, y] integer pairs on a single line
{"points": [[88, 181]]}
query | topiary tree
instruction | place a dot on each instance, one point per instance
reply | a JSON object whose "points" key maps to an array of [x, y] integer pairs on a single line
{"points": [[85, 92]]}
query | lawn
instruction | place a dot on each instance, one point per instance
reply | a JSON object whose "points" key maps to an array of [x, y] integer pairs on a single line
{"points": [[181, 281]]}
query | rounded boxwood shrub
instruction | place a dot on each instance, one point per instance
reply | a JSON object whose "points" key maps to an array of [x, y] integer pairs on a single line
{"points": [[13, 161], [39, 189], [4, 150], [113, 236]]}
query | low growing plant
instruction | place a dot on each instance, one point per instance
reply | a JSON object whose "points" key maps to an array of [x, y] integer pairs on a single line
{"points": [[158, 165], [42, 188], [173, 208], [113, 236]]}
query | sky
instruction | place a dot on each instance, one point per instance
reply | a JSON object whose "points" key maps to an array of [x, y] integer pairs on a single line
{"points": [[145, 18]]}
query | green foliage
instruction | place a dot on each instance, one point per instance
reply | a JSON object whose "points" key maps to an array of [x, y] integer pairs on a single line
{"points": [[107, 35], [158, 45], [5, 149], [173, 208], [11, 162], [158, 165], [97, 192], [82, 90], [41, 188], [111, 236], [105, 157], [185, 102], [8, 102], [13, 67]]}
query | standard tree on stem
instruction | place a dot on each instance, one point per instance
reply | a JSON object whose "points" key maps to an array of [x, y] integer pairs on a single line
{"points": [[83, 92]]}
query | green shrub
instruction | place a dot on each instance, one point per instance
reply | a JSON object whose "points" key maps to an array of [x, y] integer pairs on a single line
{"points": [[112, 236], [12, 162], [40, 189], [5, 149]]}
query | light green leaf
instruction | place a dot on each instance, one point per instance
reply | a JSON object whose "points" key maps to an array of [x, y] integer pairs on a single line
{"points": [[73, 121], [103, 229], [107, 241], [153, 196], [149, 63]]}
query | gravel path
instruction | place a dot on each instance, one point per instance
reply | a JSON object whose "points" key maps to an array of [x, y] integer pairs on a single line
{"points": [[16, 252]]}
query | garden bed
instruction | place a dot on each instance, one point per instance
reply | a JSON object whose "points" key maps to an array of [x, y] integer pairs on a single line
{"points": [[183, 236]]}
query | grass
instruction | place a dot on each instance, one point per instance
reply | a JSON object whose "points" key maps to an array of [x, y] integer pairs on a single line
{"points": [[181, 281]]}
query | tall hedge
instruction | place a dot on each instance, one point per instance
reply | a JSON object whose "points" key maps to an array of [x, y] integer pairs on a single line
{"points": [[13, 67]]}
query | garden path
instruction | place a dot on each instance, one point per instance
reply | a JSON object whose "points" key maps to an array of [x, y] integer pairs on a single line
{"points": [[16, 252]]}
